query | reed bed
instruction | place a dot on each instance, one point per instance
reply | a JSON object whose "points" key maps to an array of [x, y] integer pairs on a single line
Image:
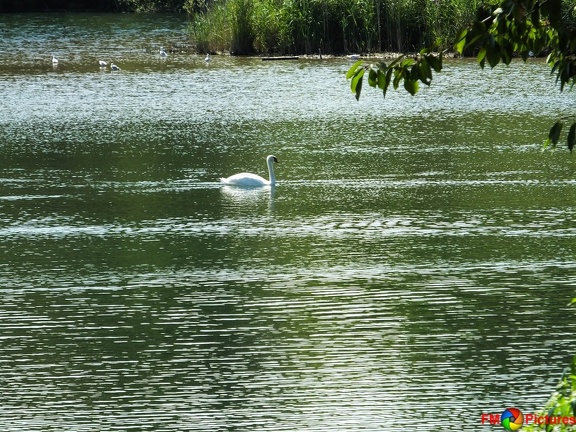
{"points": [[330, 26]]}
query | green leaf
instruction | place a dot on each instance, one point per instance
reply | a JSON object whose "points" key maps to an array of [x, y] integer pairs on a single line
{"points": [[536, 15], [382, 83], [398, 75], [435, 62], [425, 71], [407, 62], [481, 56], [411, 86], [352, 71], [356, 84], [387, 79], [397, 60], [554, 133], [373, 77], [493, 56], [572, 137], [461, 41], [415, 72], [428, 50], [507, 54]]}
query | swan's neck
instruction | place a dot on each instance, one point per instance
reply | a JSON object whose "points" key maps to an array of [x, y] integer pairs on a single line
{"points": [[271, 175]]}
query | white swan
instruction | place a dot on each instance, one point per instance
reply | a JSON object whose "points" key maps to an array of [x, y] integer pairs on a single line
{"points": [[102, 63], [253, 180], [163, 52], [54, 60], [114, 67], [207, 59]]}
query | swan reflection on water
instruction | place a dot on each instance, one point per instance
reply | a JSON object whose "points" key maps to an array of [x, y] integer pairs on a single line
{"points": [[248, 197]]}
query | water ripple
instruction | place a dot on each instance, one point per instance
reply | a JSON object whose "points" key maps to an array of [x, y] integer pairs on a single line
{"points": [[414, 262]]}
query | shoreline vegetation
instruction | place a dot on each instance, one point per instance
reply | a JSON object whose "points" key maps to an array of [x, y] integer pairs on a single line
{"points": [[379, 29], [327, 27], [293, 27]]}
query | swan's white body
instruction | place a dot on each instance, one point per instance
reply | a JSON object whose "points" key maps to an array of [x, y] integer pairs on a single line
{"points": [[114, 67], [253, 180], [102, 63], [163, 52], [207, 59], [54, 60]]}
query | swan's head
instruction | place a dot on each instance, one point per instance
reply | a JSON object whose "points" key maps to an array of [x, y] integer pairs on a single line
{"points": [[272, 158]]}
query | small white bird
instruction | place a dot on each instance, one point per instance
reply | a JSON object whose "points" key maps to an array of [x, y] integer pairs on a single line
{"points": [[207, 59], [54, 60], [114, 67], [163, 52], [102, 63]]}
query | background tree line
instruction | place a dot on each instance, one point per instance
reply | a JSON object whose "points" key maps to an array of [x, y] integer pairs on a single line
{"points": [[297, 26], [293, 26], [91, 6]]}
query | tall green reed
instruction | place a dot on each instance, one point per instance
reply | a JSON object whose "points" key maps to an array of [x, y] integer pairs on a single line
{"points": [[210, 28], [332, 26]]}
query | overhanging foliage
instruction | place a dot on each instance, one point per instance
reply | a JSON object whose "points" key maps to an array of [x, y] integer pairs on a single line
{"points": [[499, 33]]}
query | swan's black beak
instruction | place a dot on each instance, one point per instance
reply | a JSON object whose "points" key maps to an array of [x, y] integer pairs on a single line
{"points": [[276, 160]]}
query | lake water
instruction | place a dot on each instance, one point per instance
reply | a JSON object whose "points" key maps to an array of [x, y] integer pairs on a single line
{"points": [[411, 269]]}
